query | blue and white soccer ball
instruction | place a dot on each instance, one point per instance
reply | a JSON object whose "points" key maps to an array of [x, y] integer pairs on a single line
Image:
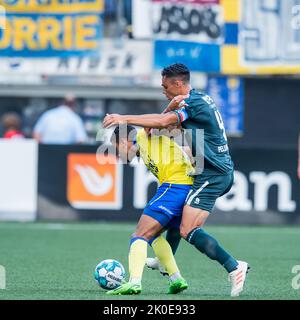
{"points": [[109, 274]]}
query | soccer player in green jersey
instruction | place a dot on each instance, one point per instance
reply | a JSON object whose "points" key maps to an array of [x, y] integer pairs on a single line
{"points": [[195, 110]]}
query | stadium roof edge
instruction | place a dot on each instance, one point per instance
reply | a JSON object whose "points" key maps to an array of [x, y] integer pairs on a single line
{"points": [[144, 93]]}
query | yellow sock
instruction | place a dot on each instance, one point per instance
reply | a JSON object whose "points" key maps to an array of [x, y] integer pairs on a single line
{"points": [[137, 258], [164, 253]]}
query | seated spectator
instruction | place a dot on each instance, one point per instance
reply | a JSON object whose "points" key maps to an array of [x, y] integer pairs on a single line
{"points": [[11, 123], [60, 125]]}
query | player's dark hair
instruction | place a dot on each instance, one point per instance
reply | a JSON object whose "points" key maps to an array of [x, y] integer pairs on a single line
{"points": [[123, 131], [177, 70]]}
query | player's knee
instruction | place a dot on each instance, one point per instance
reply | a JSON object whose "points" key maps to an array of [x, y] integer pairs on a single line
{"points": [[183, 232], [137, 235], [145, 234], [133, 235]]}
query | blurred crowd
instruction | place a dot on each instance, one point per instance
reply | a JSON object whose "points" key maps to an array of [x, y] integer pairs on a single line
{"points": [[67, 120], [64, 122], [59, 125]]}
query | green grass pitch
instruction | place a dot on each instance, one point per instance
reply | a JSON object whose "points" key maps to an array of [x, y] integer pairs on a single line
{"points": [[56, 261]]}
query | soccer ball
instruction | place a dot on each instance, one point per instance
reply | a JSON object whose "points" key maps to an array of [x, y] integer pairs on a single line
{"points": [[109, 274]]}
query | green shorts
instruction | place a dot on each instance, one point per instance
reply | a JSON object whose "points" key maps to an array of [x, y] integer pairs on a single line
{"points": [[207, 189]]}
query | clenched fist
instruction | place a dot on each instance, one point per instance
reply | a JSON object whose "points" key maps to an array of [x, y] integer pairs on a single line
{"points": [[175, 103]]}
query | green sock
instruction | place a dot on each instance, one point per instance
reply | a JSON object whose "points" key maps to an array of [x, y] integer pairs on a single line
{"points": [[173, 237], [209, 246]]}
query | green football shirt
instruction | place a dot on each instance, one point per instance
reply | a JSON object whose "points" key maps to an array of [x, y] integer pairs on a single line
{"points": [[199, 111]]}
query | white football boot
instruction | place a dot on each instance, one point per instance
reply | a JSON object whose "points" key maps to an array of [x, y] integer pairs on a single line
{"points": [[238, 277], [154, 264]]}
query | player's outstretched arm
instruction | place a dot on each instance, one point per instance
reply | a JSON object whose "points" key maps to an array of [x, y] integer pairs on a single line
{"points": [[145, 120]]}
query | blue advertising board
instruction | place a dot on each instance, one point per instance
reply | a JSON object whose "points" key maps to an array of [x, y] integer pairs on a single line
{"points": [[197, 56], [228, 94]]}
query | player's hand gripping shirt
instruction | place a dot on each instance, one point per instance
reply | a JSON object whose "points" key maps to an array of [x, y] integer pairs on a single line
{"points": [[164, 158]]}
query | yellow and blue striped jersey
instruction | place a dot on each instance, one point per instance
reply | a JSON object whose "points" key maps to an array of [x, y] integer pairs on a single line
{"points": [[164, 158]]}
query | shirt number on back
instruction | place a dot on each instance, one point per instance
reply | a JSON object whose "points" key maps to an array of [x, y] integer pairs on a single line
{"points": [[220, 123]]}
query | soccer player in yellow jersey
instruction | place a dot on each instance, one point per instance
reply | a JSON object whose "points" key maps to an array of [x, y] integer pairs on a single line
{"points": [[166, 160]]}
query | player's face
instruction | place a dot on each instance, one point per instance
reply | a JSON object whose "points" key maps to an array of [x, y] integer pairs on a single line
{"points": [[121, 149], [171, 87], [125, 150]]}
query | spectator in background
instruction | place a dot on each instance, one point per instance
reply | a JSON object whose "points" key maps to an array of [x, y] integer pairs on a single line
{"points": [[60, 125], [128, 16], [11, 123]]}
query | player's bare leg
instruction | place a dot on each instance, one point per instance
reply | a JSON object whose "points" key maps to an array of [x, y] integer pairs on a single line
{"points": [[148, 230], [151, 229], [192, 218], [173, 237], [191, 229], [147, 227]]}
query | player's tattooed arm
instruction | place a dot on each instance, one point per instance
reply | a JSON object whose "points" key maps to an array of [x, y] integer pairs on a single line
{"points": [[145, 120]]}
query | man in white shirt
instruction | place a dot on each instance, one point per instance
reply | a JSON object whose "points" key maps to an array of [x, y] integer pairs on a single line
{"points": [[60, 125]]}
